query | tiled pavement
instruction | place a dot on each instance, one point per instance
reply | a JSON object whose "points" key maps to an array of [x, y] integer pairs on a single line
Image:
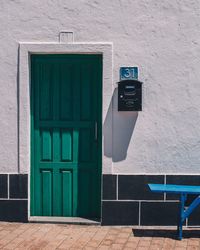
{"points": [[61, 236]]}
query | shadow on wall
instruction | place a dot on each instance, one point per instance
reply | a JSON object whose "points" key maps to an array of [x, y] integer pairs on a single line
{"points": [[118, 130]]}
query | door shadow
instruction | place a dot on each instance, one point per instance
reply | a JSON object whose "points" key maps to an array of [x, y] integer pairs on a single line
{"points": [[118, 130]]}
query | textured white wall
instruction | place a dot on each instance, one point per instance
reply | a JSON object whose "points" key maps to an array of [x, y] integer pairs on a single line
{"points": [[161, 37]]}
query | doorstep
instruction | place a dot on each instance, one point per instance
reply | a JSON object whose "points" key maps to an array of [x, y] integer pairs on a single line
{"points": [[67, 220]]}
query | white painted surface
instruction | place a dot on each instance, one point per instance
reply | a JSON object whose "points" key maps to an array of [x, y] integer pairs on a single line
{"points": [[161, 37]]}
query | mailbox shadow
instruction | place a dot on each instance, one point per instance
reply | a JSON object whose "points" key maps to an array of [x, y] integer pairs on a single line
{"points": [[118, 130]]}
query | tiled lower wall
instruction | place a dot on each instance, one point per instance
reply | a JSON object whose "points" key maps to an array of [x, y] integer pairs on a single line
{"points": [[13, 197], [128, 201]]}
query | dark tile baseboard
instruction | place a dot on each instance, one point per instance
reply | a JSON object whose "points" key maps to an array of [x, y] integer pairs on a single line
{"points": [[14, 210], [14, 197], [121, 193], [4, 186], [18, 186], [134, 187], [109, 187], [126, 199], [120, 213], [159, 213]]}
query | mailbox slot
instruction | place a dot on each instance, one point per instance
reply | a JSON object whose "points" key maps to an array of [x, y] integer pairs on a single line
{"points": [[130, 95]]}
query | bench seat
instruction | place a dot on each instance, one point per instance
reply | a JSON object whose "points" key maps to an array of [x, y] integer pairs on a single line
{"points": [[176, 189]]}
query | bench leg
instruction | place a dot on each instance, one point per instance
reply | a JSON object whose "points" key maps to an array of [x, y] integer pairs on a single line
{"points": [[180, 230], [181, 214]]}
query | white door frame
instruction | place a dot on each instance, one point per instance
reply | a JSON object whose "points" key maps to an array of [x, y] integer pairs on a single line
{"points": [[26, 49]]}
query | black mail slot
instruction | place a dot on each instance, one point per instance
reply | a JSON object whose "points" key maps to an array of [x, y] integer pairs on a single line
{"points": [[130, 95]]}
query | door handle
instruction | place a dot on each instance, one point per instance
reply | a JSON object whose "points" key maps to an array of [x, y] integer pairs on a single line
{"points": [[96, 131]]}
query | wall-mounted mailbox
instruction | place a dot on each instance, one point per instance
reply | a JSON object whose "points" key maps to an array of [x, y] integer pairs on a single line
{"points": [[129, 95]]}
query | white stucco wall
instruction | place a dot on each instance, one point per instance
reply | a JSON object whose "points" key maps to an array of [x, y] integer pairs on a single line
{"points": [[162, 38]]}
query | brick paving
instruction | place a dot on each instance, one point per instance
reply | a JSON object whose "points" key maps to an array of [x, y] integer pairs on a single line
{"points": [[36, 236]]}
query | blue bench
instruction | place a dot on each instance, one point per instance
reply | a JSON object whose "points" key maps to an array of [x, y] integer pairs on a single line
{"points": [[183, 191]]}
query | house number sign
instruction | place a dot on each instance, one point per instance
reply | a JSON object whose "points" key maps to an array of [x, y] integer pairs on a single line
{"points": [[128, 73]]}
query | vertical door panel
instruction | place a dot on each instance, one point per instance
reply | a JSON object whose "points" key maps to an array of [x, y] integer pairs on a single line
{"points": [[46, 193], [85, 145], [45, 94], [84, 193], [66, 142], [56, 145], [46, 145], [86, 93], [89, 202], [66, 101], [67, 191]]}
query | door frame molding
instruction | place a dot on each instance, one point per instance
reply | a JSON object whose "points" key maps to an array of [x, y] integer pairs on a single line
{"points": [[25, 50]]}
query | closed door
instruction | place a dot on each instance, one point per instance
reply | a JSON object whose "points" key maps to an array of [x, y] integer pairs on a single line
{"points": [[66, 100]]}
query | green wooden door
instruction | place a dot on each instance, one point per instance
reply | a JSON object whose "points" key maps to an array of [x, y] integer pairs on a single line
{"points": [[66, 99]]}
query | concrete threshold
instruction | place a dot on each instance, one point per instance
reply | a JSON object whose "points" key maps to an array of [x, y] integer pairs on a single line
{"points": [[64, 220]]}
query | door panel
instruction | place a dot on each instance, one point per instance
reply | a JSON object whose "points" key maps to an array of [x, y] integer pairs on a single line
{"points": [[65, 153], [66, 145], [46, 192], [67, 190]]}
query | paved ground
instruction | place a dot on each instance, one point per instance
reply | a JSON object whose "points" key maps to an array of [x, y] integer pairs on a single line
{"points": [[52, 236]]}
